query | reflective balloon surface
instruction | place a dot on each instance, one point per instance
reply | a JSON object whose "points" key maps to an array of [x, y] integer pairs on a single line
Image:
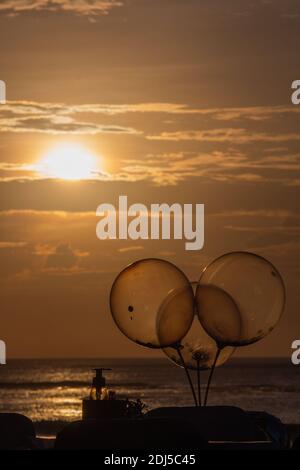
{"points": [[175, 315], [197, 347], [255, 287], [218, 314], [137, 295]]}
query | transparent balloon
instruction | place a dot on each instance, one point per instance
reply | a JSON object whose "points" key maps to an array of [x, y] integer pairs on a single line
{"points": [[175, 316], [254, 286], [137, 294], [219, 314], [197, 349]]}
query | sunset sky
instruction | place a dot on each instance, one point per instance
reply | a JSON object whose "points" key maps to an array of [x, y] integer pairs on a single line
{"points": [[183, 101]]}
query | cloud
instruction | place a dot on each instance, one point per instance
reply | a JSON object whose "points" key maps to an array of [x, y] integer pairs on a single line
{"points": [[114, 109], [44, 215], [130, 248], [256, 151], [263, 213], [222, 135], [11, 245], [266, 230], [286, 230], [169, 169], [255, 113], [79, 7], [62, 257], [218, 165], [251, 113], [52, 119], [39, 108], [43, 251], [39, 250], [61, 118]]}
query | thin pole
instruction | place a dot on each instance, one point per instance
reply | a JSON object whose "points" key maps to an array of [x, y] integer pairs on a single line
{"points": [[187, 374], [211, 375], [199, 384]]}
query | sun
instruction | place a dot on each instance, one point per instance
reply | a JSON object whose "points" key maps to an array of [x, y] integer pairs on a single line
{"points": [[68, 162]]}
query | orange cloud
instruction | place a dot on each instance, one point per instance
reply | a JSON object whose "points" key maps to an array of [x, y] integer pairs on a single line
{"points": [[80, 7]]}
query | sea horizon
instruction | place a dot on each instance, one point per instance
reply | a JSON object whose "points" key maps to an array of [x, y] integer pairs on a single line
{"points": [[50, 391]]}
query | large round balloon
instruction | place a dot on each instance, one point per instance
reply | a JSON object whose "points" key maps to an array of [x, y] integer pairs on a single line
{"points": [[256, 288], [197, 348], [175, 315], [219, 314], [137, 294]]}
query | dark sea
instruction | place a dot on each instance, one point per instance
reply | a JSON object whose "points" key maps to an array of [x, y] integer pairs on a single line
{"points": [[50, 391]]}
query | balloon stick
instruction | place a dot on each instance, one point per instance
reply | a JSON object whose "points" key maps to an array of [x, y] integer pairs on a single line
{"points": [[199, 384], [211, 374], [188, 375]]}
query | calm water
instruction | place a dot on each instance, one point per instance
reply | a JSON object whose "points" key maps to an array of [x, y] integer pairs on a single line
{"points": [[50, 391]]}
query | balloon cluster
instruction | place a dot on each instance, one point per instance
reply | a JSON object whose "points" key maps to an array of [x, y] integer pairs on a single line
{"points": [[238, 299]]}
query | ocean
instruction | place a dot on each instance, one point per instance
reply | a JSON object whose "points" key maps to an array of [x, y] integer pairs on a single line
{"points": [[50, 391]]}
